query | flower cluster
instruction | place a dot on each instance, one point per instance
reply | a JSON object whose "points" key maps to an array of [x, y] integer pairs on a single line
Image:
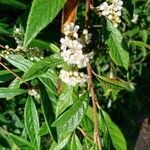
{"points": [[111, 11], [72, 78], [72, 53], [18, 35], [72, 46], [32, 53]]}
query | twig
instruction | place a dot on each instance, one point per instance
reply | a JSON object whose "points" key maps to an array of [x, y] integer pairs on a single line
{"points": [[95, 104], [97, 139], [4, 66], [85, 133], [2, 46]]}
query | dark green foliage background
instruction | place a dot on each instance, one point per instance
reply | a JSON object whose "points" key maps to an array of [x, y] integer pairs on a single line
{"points": [[128, 109]]}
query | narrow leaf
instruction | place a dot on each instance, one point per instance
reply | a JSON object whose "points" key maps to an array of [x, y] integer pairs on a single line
{"points": [[16, 141], [114, 132], [6, 92], [41, 14], [13, 3], [45, 45], [51, 90], [43, 130], [22, 143], [75, 143], [66, 99], [116, 84], [48, 112], [19, 62], [32, 122], [41, 67], [60, 145], [116, 49], [70, 119]]}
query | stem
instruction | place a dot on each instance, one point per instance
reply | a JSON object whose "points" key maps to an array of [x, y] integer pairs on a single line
{"points": [[84, 133], [4, 66], [2, 46], [97, 139]]}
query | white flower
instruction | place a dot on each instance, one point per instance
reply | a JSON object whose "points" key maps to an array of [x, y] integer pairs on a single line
{"points": [[72, 78], [17, 30], [117, 5], [75, 45], [87, 37], [33, 92], [6, 46], [111, 11], [75, 73], [71, 29], [118, 13], [70, 44], [64, 43], [64, 76], [115, 25], [72, 51], [76, 57], [135, 18], [103, 6]]}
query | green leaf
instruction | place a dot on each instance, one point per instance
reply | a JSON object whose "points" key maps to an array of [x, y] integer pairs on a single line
{"points": [[52, 75], [22, 143], [114, 133], [41, 14], [70, 119], [60, 145], [51, 89], [54, 48], [6, 76], [32, 122], [6, 92], [48, 112], [116, 84], [131, 33], [75, 143], [5, 141], [66, 99], [19, 62], [3, 31], [45, 45], [144, 35], [14, 84], [116, 48], [13, 3], [43, 130], [41, 67], [16, 141], [3, 119]]}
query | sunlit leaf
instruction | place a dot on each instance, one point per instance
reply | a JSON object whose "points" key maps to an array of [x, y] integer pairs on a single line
{"points": [[113, 132], [41, 67], [8, 92], [61, 144], [70, 119], [41, 14], [32, 122], [66, 99], [116, 48]]}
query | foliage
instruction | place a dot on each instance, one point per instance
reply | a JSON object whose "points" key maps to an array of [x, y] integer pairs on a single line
{"points": [[39, 111]]}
